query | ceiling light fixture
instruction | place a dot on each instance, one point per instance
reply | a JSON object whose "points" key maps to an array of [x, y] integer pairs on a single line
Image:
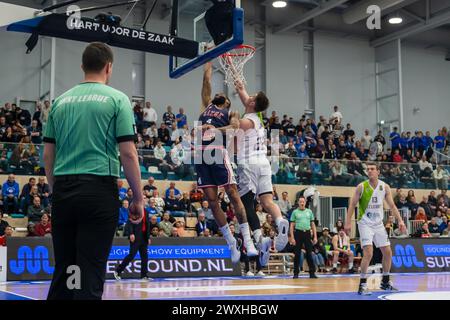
{"points": [[395, 19], [279, 4]]}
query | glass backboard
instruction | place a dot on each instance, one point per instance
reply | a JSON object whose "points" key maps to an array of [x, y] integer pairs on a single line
{"points": [[188, 22]]}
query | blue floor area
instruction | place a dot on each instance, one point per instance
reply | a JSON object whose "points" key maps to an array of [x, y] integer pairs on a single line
{"points": [[11, 296]]}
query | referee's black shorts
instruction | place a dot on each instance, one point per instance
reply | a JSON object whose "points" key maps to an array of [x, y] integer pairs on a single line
{"points": [[85, 215]]}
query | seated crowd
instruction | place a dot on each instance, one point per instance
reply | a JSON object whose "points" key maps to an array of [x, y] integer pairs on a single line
{"points": [[323, 152]]}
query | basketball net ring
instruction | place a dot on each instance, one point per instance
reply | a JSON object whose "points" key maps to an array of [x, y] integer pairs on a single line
{"points": [[233, 62]]}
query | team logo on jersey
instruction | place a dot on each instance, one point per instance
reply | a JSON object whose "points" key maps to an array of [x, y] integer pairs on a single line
{"points": [[381, 188]]}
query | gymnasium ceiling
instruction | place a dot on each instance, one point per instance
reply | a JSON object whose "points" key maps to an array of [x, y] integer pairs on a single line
{"points": [[425, 22]]}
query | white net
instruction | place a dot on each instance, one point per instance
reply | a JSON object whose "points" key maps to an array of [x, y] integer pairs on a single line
{"points": [[233, 63]]}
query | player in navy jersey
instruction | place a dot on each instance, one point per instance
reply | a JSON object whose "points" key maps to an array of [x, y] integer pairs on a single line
{"points": [[213, 165]]}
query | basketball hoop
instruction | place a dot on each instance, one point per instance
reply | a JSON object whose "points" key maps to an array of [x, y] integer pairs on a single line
{"points": [[233, 63]]}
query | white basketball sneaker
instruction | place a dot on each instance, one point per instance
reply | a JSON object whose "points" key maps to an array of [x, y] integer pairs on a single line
{"points": [[235, 253], [264, 253], [281, 239], [251, 249]]}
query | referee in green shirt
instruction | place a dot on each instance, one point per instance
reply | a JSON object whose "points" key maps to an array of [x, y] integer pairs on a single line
{"points": [[302, 221], [87, 127]]}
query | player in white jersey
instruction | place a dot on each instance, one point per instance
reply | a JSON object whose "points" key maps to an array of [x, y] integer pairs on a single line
{"points": [[255, 173], [370, 196]]}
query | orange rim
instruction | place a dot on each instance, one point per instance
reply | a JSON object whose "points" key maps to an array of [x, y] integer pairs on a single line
{"points": [[243, 54]]}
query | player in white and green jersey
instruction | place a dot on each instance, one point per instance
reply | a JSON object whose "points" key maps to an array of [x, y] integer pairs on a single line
{"points": [[370, 196]]}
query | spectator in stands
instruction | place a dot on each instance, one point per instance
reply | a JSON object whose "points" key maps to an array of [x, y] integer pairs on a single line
{"points": [[284, 203], [187, 203], [446, 231], [433, 226], [45, 111], [138, 116], [154, 222], [181, 119], [440, 217], [349, 133], [151, 207], [44, 227], [394, 137], [325, 241], [164, 134], [341, 249], [432, 200], [169, 117], [444, 195], [426, 168], [196, 194], [172, 187], [426, 207], [3, 224], [229, 212], [261, 214], [122, 190], [206, 233], [396, 157], [340, 176], [202, 224], [380, 138], [398, 194], [441, 205], [440, 177], [150, 186], [336, 116], [7, 234], [43, 191], [35, 132], [402, 203], [268, 225], [155, 232], [159, 152], [421, 215], [206, 210], [366, 140], [439, 142], [391, 226], [159, 202], [10, 192], [276, 125], [165, 225], [123, 214], [413, 206], [35, 211], [410, 195], [150, 115], [176, 162], [129, 195], [151, 134], [174, 205], [27, 188], [337, 226], [3, 127], [304, 172]]}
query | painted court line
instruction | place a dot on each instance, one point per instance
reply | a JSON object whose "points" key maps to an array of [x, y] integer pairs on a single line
{"points": [[217, 288]]}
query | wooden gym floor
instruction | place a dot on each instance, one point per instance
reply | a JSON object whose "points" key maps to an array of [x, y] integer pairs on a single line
{"points": [[433, 286]]}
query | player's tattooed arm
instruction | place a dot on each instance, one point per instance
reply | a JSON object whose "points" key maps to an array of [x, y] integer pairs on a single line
{"points": [[206, 86], [234, 122]]}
